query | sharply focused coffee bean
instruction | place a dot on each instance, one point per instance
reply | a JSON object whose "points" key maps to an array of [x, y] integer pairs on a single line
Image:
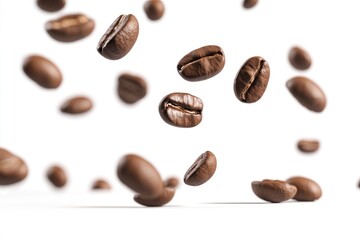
{"points": [[77, 105], [140, 175], [252, 79], [307, 189], [12, 168], [249, 3], [57, 176], [308, 146], [202, 63], [201, 170], [274, 191], [70, 28], [42, 71], [154, 9], [120, 37], [172, 182], [181, 109], [307, 93], [51, 5], [131, 88], [299, 58], [166, 196], [101, 184]]}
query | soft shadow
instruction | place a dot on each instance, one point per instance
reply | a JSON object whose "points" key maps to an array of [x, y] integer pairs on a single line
{"points": [[112, 207], [248, 203]]}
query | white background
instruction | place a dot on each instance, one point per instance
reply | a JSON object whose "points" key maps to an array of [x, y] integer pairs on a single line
{"points": [[251, 141]]}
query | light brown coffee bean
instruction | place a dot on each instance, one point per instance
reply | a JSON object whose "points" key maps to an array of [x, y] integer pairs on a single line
{"points": [[57, 176], [165, 197], [131, 88], [307, 189], [299, 58], [51, 5], [308, 146], [77, 105], [12, 168], [101, 184], [154, 9], [274, 191], [201, 170]]}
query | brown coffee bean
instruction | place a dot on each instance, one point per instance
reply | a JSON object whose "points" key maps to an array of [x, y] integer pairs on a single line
{"points": [[57, 176], [51, 5], [201, 170], [181, 110], [274, 191], [299, 58], [77, 105], [101, 184], [172, 182], [131, 88], [307, 189], [12, 168], [70, 28], [42, 71], [251, 80], [202, 63], [140, 175], [120, 37], [308, 146], [249, 3], [154, 9], [307, 93], [166, 196]]}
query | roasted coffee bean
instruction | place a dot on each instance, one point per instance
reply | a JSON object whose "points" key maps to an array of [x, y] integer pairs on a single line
{"points": [[131, 88], [77, 105], [251, 80], [154, 9], [307, 189], [299, 58], [57, 176], [308, 146], [201, 170], [202, 63], [181, 110], [307, 93], [166, 196], [101, 184], [70, 28], [249, 3], [172, 182], [42, 71], [12, 168], [274, 191], [140, 175], [51, 5], [120, 37]]}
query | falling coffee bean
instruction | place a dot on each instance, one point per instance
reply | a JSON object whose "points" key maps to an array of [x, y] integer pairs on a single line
{"points": [[308, 146], [274, 191], [181, 109], [154, 9], [201, 170], [70, 28], [249, 3], [57, 176], [120, 37], [77, 105], [101, 184], [51, 5], [307, 189], [172, 182], [251, 80], [165, 197], [12, 168], [299, 58], [42, 71], [131, 88]]}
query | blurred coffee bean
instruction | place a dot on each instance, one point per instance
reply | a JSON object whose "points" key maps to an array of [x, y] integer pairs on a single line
{"points": [[77, 105], [172, 182], [12, 168], [57, 176], [131, 88], [165, 197], [249, 3], [51, 5], [299, 58], [101, 184], [308, 146], [154, 9]]}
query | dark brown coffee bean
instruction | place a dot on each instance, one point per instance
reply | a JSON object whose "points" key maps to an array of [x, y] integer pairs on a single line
{"points": [[77, 105], [131, 88], [308, 146], [249, 3], [307, 189], [202, 63], [201, 170], [101, 184], [274, 191], [140, 175], [154, 9], [181, 110], [172, 182], [166, 196], [299, 58], [308, 93], [251, 80], [51, 5], [120, 37], [42, 71], [57, 176], [12, 168]]}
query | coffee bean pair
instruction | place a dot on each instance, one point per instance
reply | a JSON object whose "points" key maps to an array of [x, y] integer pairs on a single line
{"points": [[13, 169]]}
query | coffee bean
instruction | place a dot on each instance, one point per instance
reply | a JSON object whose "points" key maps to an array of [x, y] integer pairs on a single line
{"points": [[51, 5], [308, 146], [202, 63], [307, 93], [57, 176], [172, 182], [201, 170], [249, 3], [12, 168], [42, 71], [70, 28], [77, 105], [154, 9], [307, 189], [274, 191], [131, 88], [181, 109], [140, 175], [299, 58], [120, 37], [251, 80], [101, 184], [166, 196]]}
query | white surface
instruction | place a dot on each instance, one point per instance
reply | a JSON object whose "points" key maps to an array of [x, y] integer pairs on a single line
{"points": [[251, 141]]}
